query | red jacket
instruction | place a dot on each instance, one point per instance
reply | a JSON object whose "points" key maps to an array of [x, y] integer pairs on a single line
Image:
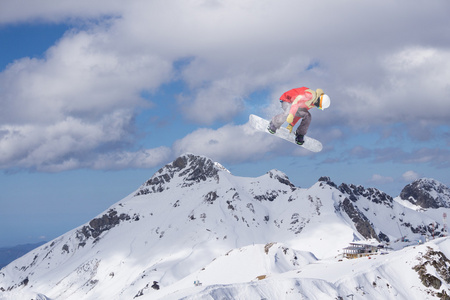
{"points": [[300, 98]]}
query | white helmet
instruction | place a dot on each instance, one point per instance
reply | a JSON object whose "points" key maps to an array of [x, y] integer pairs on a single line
{"points": [[324, 101]]}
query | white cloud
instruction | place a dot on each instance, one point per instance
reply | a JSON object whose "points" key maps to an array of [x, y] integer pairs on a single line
{"points": [[414, 79], [147, 158], [80, 99], [410, 176], [55, 110], [226, 144], [216, 103], [77, 77], [235, 144], [59, 11], [379, 179], [72, 144], [61, 145]]}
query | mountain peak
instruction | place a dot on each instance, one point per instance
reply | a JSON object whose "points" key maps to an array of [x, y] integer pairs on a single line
{"points": [[281, 177], [427, 193], [327, 180], [185, 170]]}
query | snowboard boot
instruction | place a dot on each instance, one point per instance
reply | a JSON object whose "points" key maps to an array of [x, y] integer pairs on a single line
{"points": [[272, 129], [299, 139]]}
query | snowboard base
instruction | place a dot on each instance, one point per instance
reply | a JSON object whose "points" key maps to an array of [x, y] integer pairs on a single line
{"points": [[261, 124]]}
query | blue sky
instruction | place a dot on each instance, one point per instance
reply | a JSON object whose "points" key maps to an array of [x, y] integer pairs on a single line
{"points": [[96, 97]]}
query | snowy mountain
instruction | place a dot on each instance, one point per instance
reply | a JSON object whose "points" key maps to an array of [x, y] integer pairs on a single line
{"points": [[427, 193], [195, 231]]}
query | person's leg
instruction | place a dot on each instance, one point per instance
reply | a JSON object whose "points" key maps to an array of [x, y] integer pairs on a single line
{"points": [[279, 119], [306, 120]]}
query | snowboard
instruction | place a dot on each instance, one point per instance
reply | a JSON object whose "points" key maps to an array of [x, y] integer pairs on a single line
{"points": [[261, 124]]}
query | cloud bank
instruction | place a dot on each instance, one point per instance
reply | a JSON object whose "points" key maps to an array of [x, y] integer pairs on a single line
{"points": [[77, 106]]}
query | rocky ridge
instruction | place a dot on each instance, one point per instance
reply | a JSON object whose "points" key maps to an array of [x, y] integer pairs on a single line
{"points": [[427, 193]]}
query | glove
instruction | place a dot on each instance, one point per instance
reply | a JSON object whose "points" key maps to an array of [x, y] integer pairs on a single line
{"points": [[290, 118], [289, 127]]}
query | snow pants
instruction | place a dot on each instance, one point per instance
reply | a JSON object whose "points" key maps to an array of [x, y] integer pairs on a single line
{"points": [[302, 113]]}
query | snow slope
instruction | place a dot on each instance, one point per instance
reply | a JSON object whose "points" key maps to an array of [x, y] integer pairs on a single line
{"points": [[241, 238]]}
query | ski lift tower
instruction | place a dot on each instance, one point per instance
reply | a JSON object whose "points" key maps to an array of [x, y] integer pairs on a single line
{"points": [[444, 229]]}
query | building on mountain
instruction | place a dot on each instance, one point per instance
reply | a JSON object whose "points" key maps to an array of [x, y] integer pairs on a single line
{"points": [[356, 250]]}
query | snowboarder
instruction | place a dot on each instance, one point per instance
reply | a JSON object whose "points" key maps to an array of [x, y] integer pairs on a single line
{"points": [[295, 104]]}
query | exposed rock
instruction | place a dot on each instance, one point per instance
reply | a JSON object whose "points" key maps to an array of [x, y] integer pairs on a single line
{"points": [[383, 237], [155, 285], [268, 196], [191, 168], [211, 197], [361, 222], [439, 262], [427, 193], [372, 194], [267, 247], [327, 180], [99, 225], [282, 178]]}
